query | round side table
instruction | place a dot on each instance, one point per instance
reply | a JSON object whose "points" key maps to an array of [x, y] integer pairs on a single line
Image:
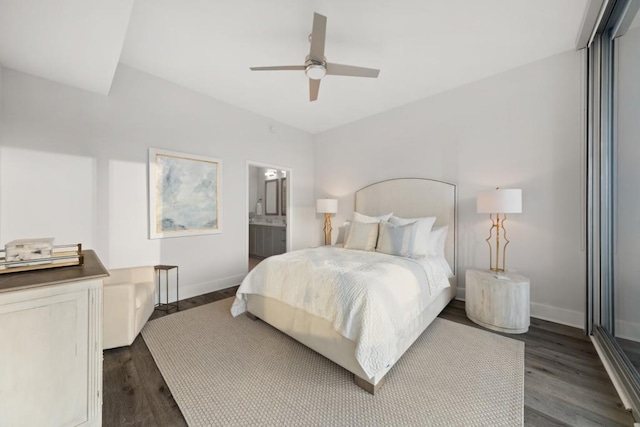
{"points": [[498, 301]]}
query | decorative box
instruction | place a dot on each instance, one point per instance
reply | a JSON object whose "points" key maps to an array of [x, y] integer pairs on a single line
{"points": [[29, 249]]}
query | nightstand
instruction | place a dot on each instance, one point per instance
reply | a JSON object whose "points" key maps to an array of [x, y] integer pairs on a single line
{"points": [[498, 301]]}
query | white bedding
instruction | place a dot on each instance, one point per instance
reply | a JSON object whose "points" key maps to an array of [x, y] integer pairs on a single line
{"points": [[369, 298]]}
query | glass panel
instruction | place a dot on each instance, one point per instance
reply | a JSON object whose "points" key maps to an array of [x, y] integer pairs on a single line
{"points": [[626, 139]]}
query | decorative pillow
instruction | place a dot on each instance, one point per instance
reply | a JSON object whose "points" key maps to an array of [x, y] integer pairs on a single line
{"points": [[437, 241], [397, 239], [421, 248], [362, 236], [369, 219]]}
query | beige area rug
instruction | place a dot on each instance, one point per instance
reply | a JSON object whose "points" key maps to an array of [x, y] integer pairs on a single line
{"points": [[225, 371]]}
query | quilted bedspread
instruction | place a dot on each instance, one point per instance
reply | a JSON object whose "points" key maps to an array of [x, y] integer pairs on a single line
{"points": [[368, 297]]}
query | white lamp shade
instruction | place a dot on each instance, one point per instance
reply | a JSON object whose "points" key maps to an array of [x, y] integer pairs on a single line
{"points": [[327, 206], [499, 201]]}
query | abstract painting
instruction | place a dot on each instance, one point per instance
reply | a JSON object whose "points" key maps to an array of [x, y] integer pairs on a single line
{"points": [[184, 194]]}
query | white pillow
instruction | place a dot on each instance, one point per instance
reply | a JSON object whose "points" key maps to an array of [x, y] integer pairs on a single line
{"points": [[437, 241], [369, 219], [362, 236], [443, 264], [347, 226], [397, 239], [421, 248]]}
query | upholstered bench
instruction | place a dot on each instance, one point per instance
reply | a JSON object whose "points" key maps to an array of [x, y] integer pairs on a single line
{"points": [[129, 299]]}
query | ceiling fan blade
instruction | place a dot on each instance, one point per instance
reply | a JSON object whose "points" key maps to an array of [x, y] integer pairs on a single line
{"points": [[279, 67], [318, 35], [350, 70], [314, 88]]}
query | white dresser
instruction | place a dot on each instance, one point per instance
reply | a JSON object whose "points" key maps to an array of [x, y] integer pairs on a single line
{"points": [[51, 346], [498, 302]]}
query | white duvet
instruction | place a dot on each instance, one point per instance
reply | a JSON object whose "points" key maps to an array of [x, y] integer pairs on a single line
{"points": [[368, 297]]}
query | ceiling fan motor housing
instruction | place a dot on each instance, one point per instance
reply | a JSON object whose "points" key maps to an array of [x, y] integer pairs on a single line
{"points": [[315, 70]]}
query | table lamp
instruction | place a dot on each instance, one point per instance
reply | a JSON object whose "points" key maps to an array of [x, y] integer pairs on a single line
{"points": [[327, 207], [499, 202]]}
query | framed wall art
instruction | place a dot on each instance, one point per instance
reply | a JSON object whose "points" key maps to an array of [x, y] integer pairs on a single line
{"points": [[185, 194]]}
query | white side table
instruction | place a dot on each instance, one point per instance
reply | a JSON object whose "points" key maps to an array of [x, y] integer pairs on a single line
{"points": [[500, 304]]}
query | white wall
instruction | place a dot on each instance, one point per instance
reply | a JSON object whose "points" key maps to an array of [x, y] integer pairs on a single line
{"points": [[74, 167], [1, 102], [36, 186], [627, 268], [519, 129], [253, 188]]}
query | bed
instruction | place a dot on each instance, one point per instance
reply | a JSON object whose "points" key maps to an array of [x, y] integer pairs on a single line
{"points": [[405, 197]]}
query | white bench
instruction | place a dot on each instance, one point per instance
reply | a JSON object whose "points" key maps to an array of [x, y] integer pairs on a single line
{"points": [[129, 299]]}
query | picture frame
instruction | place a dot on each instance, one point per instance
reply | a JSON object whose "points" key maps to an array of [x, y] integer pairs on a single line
{"points": [[271, 197], [185, 194]]}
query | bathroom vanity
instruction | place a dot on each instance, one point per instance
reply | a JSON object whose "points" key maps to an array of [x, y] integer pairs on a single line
{"points": [[267, 239]]}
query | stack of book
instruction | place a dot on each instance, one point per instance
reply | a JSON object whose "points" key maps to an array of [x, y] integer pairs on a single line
{"points": [[32, 254]]}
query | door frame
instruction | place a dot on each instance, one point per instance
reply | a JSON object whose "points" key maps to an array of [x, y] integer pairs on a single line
{"points": [[289, 201]]}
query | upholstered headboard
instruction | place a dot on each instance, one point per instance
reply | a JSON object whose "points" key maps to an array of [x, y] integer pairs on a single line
{"points": [[412, 198]]}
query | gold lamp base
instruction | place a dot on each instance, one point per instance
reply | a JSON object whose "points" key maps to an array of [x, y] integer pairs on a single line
{"points": [[327, 229], [497, 224]]}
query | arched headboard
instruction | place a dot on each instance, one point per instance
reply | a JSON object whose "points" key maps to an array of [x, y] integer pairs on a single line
{"points": [[412, 198]]}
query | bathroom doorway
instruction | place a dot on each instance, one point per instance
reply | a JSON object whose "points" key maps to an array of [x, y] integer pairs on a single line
{"points": [[268, 211]]}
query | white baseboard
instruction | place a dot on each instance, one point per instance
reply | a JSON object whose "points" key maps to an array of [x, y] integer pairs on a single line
{"points": [[196, 289], [548, 312], [558, 315]]}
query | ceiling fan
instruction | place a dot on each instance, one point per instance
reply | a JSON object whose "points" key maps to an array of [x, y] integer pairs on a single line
{"points": [[316, 65]]}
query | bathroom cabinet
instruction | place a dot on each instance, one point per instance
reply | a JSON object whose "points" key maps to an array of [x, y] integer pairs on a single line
{"points": [[266, 240]]}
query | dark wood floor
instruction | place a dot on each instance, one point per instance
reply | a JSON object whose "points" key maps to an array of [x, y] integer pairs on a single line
{"points": [[253, 261], [565, 382]]}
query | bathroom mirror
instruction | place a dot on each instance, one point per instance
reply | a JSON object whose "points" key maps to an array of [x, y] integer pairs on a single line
{"points": [[271, 197]]}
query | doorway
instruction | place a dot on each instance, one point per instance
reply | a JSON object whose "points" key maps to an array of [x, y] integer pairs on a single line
{"points": [[268, 211]]}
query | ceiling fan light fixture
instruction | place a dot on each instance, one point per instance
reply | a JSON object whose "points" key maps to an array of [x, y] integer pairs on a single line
{"points": [[315, 71]]}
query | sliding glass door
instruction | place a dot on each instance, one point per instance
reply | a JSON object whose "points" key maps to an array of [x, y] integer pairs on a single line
{"points": [[614, 195], [626, 139]]}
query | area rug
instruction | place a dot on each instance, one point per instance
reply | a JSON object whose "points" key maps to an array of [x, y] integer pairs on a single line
{"points": [[225, 371]]}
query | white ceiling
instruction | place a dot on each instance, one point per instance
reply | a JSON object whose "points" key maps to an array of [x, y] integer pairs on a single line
{"points": [[422, 47], [75, 42]]}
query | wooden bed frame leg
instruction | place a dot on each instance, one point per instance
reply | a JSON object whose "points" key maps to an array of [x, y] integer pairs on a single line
{"points": [[366, 385], [251, 316]]}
